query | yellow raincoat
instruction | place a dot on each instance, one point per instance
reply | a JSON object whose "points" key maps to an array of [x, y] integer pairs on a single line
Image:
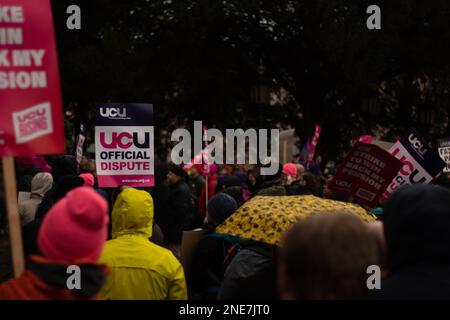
{"points": [[140, 269]]}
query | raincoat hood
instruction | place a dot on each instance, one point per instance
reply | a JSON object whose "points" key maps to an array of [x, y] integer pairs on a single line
{"points": [[416, 223], [132, 214], [41, 183]]}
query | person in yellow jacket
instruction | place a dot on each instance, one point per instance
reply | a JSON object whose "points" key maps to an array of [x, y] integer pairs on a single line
{"points": [[140, 269]]}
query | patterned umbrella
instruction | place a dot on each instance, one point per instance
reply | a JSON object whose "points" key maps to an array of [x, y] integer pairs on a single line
{"points": [[265, 218]]}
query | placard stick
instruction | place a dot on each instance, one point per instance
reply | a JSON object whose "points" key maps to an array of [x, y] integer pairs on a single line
{"points": [[15, 234], [207, 187]]}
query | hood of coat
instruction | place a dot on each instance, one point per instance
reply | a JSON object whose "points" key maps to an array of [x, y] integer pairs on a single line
{"points": [[132, 214], [416, 223], [41, 183]]}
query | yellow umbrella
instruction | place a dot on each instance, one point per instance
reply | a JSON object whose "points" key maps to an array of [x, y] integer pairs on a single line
{"points": [[266, 218]]}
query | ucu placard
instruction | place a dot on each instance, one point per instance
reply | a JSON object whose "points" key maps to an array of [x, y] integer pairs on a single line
{"points": [[124, 144], [32, 122], [420, 162]]}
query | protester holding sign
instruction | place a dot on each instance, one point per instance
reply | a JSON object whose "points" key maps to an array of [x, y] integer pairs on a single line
{"points": [[31, 121]]}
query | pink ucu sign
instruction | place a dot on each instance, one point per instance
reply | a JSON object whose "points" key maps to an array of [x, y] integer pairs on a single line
{"points": [[125, 140], [32, 115]]}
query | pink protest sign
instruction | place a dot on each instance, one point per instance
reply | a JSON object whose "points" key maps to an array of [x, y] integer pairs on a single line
{"points": [[31, 121], [365, 173]]}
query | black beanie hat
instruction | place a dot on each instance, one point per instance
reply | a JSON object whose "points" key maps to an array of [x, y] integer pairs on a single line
{"points": [[178, 170], [220, 207]]}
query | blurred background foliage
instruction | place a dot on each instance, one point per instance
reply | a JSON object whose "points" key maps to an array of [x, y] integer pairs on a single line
{"points": [[198, 60]]}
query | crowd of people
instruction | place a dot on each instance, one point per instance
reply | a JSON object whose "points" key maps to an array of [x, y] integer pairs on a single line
{"points": [[127, 241]]}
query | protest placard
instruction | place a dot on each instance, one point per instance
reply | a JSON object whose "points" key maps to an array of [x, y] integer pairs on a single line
{"points": [[80, 142], [31, 121], [365, 173], [124, 151], [421, 163], [189, 244], [444, 152]]}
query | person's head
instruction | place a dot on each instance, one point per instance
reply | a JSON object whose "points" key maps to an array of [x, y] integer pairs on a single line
{"points": [[236, 192], [64, 165], [117, 191], [416, 221], [273, 191], [65, 185], [273, 179], [83, 162], [333, 195], [290, 169], [443, 180], [87, 165], [300, 169], [75, 228], [91, 166], [318, 159], [326, 256], [176, 173], [220, 207], [41, 183], [309, 181], [330, 168], [88, 179], [132, 214], [193, 172]]}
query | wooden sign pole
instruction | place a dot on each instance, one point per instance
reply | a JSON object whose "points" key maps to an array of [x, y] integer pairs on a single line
{"points": [[207, 187], [15, 232]]}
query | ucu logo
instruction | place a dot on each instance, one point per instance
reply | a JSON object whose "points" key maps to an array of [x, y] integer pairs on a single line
{"points": [[113, 112], [344, 184], [125, 140], [32, 115], [416, 144]]}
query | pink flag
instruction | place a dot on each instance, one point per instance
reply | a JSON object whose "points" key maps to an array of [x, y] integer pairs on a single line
{"points": [[314, 141]]}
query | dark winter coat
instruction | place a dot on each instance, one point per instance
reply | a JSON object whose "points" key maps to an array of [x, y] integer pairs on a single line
{"points": [[417, 231], [179, 212]]}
